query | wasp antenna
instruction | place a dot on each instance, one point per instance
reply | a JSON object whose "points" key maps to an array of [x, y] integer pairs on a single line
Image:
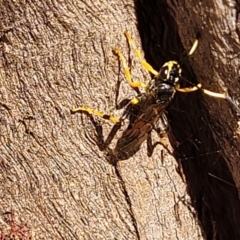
{"points": [[222, 180], [191, 83], [193, 48]]}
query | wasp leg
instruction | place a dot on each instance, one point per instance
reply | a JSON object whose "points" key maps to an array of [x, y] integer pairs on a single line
{"points": [[100, 141], [164, 126], [162, 133], [99, 138], [224, 96], [127, 71], [193, 48], [212, 94], [190, 89], [97, 113], [111, 135], [144, 63], [151, 146], [123, 103], [99, 133], [205, 91]]}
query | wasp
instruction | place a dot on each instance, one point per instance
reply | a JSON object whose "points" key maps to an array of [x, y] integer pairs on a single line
{"points": [[145, 111]]}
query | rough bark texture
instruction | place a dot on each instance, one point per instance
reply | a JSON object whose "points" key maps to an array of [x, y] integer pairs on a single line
{"points": [[55, 182], [204, 131]]}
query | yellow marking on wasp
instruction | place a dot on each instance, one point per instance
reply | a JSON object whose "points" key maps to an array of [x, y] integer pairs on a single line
{"points": [[97, 113], [144, 63], [170, 65], [135, 101]]}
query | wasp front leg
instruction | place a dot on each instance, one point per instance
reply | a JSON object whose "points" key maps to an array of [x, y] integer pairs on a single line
{"points": [[127, 71], [143, 62]]}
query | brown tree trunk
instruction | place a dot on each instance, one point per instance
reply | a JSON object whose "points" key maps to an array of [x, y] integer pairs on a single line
{"points": [[56, 183]]}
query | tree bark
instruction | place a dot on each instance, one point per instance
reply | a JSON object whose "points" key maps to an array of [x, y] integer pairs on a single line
{"points": [[56, 183]]}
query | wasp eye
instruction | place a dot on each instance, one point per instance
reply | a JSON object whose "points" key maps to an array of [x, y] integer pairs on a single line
{"points": [[163, 74]]}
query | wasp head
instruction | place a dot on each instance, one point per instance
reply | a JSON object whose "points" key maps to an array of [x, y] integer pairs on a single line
{"points": [[164, 84], [170, 73]]}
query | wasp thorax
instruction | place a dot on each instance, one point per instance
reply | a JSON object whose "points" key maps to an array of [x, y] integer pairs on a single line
{"points": [[164, 92], [170, 72]]}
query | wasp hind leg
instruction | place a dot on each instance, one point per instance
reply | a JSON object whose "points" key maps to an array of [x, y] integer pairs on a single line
{"points": [[151, 146], [162, 133]]}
